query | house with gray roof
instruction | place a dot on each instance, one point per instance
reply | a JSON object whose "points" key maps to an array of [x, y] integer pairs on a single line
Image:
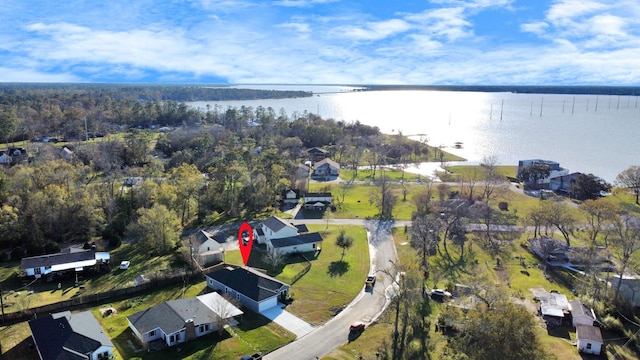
{"points": [[286, 238], [326, 168], [177, 321], [310, 242], [67, 336], [273, 228], [252, 288], [71, 259], [589, 339], [207, 249]]}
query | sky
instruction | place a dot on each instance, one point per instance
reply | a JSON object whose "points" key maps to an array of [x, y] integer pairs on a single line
{"points": [[435, 42]]}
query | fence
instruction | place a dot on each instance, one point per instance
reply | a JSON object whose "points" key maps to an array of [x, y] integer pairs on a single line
{"points": [[302, 272], [89, 299]]}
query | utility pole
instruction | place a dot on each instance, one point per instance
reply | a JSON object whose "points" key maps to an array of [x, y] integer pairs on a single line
{"points": [[2, 305]]}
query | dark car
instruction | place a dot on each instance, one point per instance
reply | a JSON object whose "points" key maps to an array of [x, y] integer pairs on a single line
{"points": [[370, 281], [357, 327]]}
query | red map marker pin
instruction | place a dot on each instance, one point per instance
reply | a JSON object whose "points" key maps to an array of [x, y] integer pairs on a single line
{"points": [[245, 240]]}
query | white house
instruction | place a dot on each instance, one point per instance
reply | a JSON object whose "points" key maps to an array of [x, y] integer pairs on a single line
{"points": [[554, 166], [310, 242], [177, 321], [290, 198], [70, 259], [206, 249], [70, 336], [253, 289], [273, 228], [317, 200], [581, 314], [589, 339]]}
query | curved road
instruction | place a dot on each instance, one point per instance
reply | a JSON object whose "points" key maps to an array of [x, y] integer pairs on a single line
{"points": [[365, 307]]}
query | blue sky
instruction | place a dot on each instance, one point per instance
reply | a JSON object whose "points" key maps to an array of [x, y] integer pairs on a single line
{"points": [[484, 42]]}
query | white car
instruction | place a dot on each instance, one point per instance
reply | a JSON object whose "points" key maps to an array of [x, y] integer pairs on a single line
{"points": [[125, 265]]}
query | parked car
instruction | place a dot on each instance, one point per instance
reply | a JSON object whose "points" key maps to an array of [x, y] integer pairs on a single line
{"points": [[370, 281], [357, 327], [125, 265]]}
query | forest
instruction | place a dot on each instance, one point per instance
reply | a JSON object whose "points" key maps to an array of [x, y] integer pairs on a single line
{"points": [[191, 166]]}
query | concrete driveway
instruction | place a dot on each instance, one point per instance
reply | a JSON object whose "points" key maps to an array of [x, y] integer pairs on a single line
{"points": [[288, 321]]}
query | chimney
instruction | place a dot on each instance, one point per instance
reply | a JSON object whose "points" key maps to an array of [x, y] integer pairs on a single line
{"points": [[190, 330]]}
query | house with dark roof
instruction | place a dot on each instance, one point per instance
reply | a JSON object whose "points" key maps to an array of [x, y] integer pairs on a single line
{"points": [[273, 228], [285, 237], [177, 321], [71, 259], [317, 154], [326, 168], [290, 198], [67, 336], [317, 200], [207, 249], [253, 289], [310, 242]]}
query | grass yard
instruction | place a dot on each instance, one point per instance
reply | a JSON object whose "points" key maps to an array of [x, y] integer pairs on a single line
{"points": [[47, 292], [357, 200], [254, 333], [366, 346], [332, 281]]}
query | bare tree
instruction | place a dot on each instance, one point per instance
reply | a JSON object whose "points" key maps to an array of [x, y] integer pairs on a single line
{"points": [[630, 178], [225, 307], [384, 199], [626, 240], [273, 258], [559, 215]]}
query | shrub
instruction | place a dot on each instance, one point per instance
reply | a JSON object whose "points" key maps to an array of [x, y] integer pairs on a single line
{"points": [[613, 324]]}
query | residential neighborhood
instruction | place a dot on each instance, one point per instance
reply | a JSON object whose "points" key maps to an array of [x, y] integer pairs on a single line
{"points": [[246, 234]]}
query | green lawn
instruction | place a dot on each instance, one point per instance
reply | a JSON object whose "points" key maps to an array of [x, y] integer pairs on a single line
{"points": [[254, 333], [47, 292], [331, 283]]}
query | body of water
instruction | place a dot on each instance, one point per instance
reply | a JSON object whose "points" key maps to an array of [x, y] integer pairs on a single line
{"points": [[586, 133]]}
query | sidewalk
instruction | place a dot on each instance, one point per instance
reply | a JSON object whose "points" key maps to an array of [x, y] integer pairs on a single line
{"points": [[288, 321]]}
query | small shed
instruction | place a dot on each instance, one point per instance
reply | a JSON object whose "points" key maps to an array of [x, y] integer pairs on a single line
{"points": [[581, 314], [589, 339]]}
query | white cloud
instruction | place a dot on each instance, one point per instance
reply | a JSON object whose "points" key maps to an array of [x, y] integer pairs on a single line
{"points": [[372, 30], [538, 27], [449, 23], [8, 74], [301, 3], [565, 11]]}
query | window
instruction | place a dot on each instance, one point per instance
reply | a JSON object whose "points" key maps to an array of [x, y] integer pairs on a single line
{"points": [[314, 245], [588, 346], [206, 327], [37, 270], [238, 296], [226, 290], [201, 328], [172, 338]]}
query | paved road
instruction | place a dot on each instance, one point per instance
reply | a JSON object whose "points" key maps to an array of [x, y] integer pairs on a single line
{"points": [[365, 307]]}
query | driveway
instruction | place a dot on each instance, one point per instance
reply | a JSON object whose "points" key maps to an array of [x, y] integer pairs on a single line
{"points": [[288, 321]]}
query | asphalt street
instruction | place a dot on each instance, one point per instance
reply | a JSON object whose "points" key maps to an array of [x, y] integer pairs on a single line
{"points": [[366, 307]]}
